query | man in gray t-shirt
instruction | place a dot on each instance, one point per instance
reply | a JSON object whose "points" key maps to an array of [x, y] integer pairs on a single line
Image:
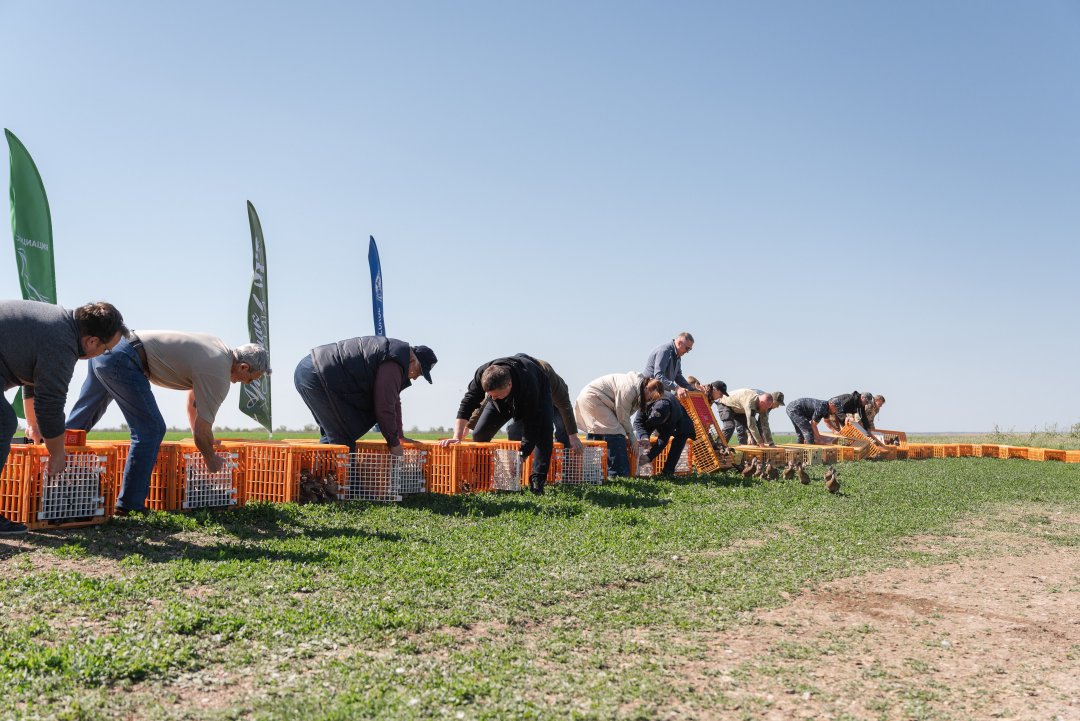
{"points": [[39, 346], [196, 362]]}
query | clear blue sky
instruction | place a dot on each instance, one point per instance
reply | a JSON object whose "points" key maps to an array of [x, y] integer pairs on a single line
{"points": [[829, 195]]}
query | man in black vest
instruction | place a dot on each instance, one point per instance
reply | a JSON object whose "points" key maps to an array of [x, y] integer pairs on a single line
{"points": [[351, 385], [517, 388]]}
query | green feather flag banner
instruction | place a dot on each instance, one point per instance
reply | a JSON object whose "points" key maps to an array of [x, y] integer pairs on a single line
{"points": [[255, 396], [31, 225]]}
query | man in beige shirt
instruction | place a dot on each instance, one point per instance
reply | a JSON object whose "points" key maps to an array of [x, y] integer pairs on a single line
{"points": [[747, 409], [196, 362]]}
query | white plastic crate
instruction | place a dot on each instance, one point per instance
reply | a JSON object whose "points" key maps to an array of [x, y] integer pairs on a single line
{"points": [[584, 467], [384, 477], [75, 493], [203, 489], [506, 469]]}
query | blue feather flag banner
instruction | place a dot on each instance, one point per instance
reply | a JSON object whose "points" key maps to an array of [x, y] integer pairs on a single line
{"points": [[376, 287]]}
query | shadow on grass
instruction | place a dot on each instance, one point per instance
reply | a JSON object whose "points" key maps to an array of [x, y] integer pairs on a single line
{"points": [[224, 535]]}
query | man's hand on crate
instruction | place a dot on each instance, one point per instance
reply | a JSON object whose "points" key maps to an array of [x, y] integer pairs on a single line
{"points": [[397, 451]]}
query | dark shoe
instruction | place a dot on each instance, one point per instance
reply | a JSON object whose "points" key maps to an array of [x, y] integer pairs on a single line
{"points": [[536, 485], [10, 528]]}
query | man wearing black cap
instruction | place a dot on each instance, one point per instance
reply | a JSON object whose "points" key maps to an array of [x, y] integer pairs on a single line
{"points": [[351, 385]]}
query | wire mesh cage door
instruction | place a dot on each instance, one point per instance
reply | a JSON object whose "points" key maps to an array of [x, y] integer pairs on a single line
{"points": [[584, 467], [506, 469], [203, 489], [75, 493], [383, 477]]}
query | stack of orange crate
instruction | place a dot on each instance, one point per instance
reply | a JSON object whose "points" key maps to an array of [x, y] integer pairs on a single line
{"points": [[987, 450], [1072, 456], [75, 498]]}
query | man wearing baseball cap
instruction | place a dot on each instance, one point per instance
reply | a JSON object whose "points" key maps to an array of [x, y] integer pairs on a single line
{"points": [[351, 385]]}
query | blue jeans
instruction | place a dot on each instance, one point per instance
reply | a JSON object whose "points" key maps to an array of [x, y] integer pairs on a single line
{"points": [[339, 423], [618, 460], [118, 376], [9, 423]]}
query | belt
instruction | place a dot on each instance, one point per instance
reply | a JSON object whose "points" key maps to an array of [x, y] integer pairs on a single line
{"points": [[141, 351]]}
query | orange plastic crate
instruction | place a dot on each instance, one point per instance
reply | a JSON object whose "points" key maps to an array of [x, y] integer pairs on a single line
{"points": [[847, 453], [372, 473], [271, 470], [682, 468], [1072, 456], [1013, 452], [965, 450], [1045, 454], [162, 495], [987, 450], [887, 453], [888, 436], [75, 498], [706, 447], [918, 451], [464, 467], [858, 435], [811, 454], [198, 488]]}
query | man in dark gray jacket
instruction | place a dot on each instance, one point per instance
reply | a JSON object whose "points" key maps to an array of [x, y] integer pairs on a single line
{"points": [[39, 346], [351, 385], [665, 364]]}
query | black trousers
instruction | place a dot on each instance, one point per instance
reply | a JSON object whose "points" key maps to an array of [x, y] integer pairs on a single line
{"points": [[678, 442], [804, 432], [732, 423]]}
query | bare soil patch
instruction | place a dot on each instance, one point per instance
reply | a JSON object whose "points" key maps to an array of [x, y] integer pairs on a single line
{"points": [[985, 637]]}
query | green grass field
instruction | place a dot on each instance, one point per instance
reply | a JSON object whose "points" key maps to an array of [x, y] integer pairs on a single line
{"points": [[583, 603]]}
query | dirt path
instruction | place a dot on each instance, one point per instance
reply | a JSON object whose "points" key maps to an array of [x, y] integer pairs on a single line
{"points": [[997, 636]]}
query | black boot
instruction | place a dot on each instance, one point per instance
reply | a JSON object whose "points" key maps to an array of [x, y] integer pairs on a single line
{"points": [[536, 485]]}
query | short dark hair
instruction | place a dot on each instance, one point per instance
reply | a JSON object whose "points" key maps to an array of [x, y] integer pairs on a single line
{"points": [[100, 320], [495, 377]]}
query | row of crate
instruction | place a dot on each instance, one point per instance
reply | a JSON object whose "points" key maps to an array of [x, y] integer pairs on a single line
{"points": [[275, 471]]}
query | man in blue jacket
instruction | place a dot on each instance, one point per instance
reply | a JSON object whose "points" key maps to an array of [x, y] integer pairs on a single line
{"points": [[351, 385]]}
